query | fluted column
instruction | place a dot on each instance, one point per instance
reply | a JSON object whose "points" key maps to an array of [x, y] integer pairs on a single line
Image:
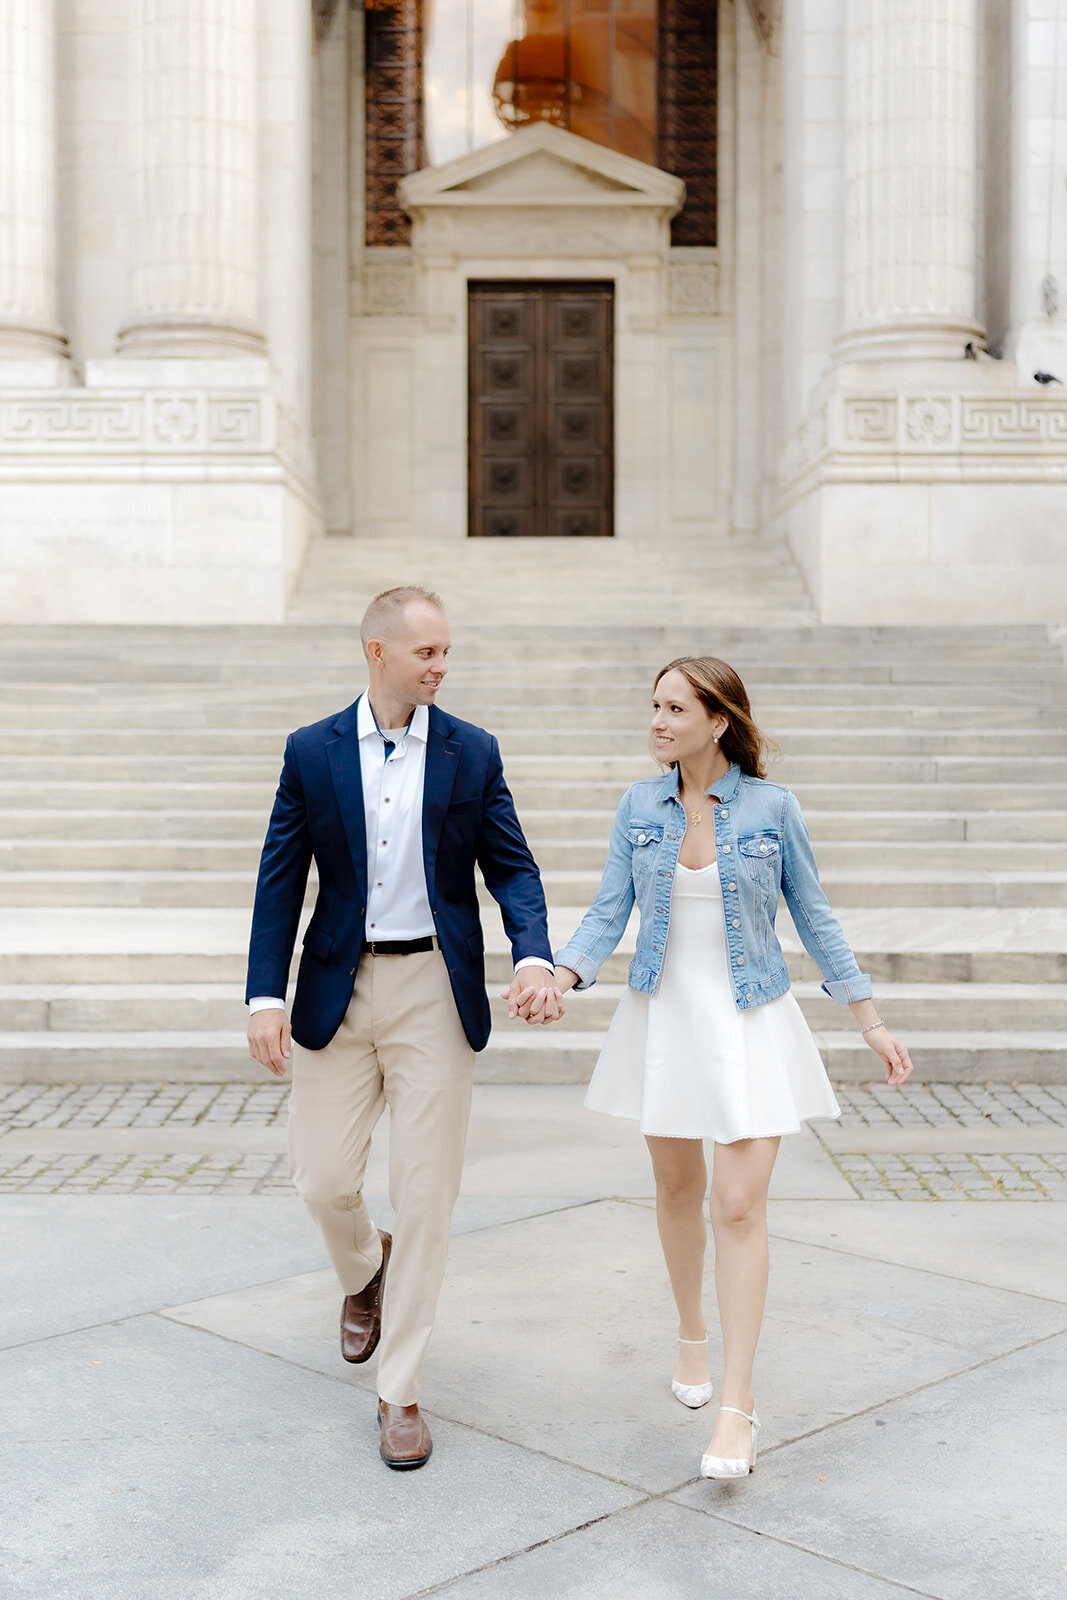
{"points": [[196, 248], [910, 178], [28, 322]]}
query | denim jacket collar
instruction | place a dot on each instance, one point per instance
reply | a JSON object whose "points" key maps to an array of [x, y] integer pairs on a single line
{"points": [[725, 789]]}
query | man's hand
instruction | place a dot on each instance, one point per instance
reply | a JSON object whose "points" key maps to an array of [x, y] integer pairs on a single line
{"points": [[534, 996], [270, 1039]]}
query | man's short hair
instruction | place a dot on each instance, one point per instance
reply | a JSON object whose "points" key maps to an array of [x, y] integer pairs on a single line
{"points": [[386, 610]]}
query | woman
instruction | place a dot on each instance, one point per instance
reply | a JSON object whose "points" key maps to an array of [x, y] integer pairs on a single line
{"points": [[708, 1042]]}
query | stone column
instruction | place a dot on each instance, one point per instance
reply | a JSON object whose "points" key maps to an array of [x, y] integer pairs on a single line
{"points": [[195, 132], [28, 321], [910, 179]]}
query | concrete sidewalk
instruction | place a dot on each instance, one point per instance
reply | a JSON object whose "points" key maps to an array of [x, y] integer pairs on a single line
{"points": [[178, 1422]]}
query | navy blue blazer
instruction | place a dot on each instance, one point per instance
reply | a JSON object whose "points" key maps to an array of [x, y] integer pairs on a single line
{"points": [[468, 816]]}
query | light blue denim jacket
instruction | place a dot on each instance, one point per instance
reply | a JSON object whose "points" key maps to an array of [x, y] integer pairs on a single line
{"points": [[763, 851]]}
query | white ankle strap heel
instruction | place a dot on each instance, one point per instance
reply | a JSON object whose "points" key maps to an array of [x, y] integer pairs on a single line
{"points": [[693, 1395], [736, 1466]]}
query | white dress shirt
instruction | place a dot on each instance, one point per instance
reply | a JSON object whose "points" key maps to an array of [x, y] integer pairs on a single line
{"points": [[398, 906]]}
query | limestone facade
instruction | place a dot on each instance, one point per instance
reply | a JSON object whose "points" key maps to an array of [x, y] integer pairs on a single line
{"points": [[202, 363]]}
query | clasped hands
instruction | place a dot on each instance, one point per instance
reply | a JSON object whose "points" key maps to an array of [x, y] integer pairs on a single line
{"points": [[536, 995]]}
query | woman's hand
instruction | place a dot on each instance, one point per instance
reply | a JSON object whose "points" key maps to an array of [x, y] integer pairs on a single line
{"points": [[898, 1067]]}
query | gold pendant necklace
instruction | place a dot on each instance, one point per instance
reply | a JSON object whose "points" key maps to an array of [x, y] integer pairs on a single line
{"points": [[696, 817]]}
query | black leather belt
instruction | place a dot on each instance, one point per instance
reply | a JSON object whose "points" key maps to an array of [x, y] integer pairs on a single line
{"points": [[398, 947]]}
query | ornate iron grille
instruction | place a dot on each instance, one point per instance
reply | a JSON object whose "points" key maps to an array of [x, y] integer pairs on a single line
{"points": [[394, 119], [688, 95]]}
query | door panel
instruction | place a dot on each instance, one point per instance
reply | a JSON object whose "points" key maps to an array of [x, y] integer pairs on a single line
{"points": [[541, 425]]}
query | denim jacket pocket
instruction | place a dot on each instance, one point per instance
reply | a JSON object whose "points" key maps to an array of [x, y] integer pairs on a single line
{"points": [[645, 839], [762, 852]]}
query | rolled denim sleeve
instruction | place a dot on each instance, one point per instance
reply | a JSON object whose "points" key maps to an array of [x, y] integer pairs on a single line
{"points": [[605, 922], [820, 932]]}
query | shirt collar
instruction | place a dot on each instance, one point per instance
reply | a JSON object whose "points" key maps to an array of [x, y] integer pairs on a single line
{"points": [[726, 788], [366, 727]]}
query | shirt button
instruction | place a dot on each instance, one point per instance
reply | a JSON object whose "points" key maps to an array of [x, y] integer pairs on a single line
{"points": [[740, 961], [726, 849], [734, 924]]}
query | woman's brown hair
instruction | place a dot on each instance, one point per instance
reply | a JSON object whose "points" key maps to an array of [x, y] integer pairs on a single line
{"points": [[721, 692]]}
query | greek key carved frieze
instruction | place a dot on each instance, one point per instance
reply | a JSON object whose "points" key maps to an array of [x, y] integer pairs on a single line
{"points": [[871, 421], [234, 421], [1014, 423], [146, 425], [72, 422]]}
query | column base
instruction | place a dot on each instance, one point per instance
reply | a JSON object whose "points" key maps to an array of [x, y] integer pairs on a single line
{"points": [[190, 337], [917, 338], [18, 343], [931, 496]]}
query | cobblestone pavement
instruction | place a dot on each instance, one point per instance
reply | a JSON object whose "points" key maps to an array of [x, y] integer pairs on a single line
{"points": [[145, 1174], [956, 1177], [154, 1105], [873, 1176]]}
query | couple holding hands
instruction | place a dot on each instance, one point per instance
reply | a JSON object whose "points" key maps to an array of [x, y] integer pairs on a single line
{"points": [[396, 801]]}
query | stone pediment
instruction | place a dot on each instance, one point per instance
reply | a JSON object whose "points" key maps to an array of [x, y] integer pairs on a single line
{"points": [[541, 165]]}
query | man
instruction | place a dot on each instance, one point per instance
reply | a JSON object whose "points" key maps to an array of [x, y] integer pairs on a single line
{"points": [[396, 801]]}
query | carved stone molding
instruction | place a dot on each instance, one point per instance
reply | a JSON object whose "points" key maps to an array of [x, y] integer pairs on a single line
{"points": [[928, 421], [150, 428], [692, 287], [928, 436], [388, 283]]}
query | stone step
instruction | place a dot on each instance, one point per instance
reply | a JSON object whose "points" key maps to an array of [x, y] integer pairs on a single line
{"points": [[208, 1007], [541, 1055], [206, 826], [563, 734], [203, 945], [192, 887], [532, 792], [617, 761], [585, 854]]}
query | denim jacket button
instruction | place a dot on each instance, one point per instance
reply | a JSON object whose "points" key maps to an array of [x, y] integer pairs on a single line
{"points": [[726, 849], [736, 923], [724, 813], [740, 961], [731, 886]]}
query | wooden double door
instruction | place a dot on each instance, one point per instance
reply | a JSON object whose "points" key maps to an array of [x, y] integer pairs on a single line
{"points": [[541, 426]]}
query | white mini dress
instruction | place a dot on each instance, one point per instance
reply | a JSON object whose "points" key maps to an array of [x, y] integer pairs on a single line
{"points": [[686, 1063]]}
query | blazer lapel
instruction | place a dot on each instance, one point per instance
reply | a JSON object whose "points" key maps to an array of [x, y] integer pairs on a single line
{"points": [[442, 765], [342, 753]]}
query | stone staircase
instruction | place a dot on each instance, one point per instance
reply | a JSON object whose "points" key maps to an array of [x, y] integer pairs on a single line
{"points": [[138, 768]]}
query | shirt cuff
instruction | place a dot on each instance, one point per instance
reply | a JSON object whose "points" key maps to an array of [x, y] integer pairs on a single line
{"points": [[533, 961], [265, 1002]]}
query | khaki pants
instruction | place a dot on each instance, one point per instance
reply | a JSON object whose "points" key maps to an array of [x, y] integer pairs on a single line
{"points": [[401, 1045]]}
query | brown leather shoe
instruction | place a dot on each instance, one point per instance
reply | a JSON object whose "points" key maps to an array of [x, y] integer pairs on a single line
{"points": [[406, 1441], [361, 1314]]}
